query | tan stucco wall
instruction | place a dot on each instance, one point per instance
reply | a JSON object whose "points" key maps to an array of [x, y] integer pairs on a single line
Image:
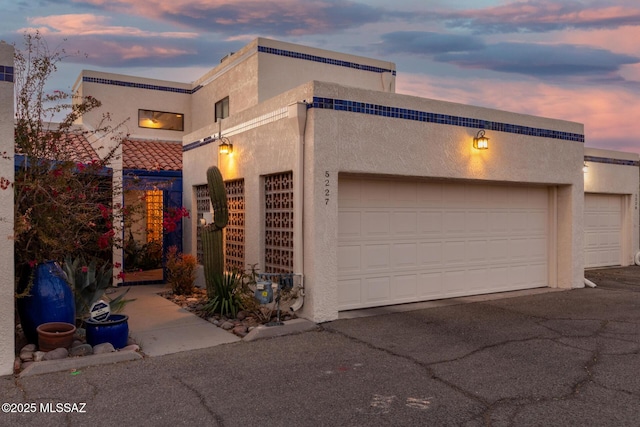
{"points": [[337, 142], [249, 78], [7, 327], [122, 104], [609, 178]]}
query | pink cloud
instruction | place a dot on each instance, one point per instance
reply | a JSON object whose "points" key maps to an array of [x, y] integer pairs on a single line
{"points": [[545, 15], [609, 114], [88, 24]]}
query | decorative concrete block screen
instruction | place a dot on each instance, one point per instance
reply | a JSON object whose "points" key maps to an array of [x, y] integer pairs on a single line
{"points": [[278, 190], [234, 231], [203, 205]]}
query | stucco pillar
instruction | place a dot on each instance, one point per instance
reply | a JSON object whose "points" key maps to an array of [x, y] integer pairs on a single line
{"points": [[7, 315]]}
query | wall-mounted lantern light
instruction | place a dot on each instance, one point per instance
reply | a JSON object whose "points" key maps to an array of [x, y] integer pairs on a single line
{"points": [[585, 167], [481, 142], [225, 147]]}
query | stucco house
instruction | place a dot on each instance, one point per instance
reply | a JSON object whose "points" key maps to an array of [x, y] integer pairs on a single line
{"points": [[376, 198]]}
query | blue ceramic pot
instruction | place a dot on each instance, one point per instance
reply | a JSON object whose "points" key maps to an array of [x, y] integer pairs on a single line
{"points": [[50, 299], [114, 330]]}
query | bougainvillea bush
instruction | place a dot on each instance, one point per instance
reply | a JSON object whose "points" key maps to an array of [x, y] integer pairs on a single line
{"points": [[63, 191]]}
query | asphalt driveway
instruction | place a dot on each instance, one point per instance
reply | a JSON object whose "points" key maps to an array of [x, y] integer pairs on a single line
{"points": [[568, 358]]}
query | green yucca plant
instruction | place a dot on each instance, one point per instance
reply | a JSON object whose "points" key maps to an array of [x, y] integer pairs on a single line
{"points": [[226, 301]]}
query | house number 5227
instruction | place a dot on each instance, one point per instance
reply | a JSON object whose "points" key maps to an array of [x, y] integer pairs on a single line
{"points": [[327, 187]]}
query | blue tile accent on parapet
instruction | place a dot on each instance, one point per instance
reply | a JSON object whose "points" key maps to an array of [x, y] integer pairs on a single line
{"points": [[424, 116], [138, 85], [6, 74], [323, 60], [607, 160]]}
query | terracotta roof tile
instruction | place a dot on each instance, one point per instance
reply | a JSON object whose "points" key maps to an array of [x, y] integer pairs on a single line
{"points": [[152, 155], [76, 148]]}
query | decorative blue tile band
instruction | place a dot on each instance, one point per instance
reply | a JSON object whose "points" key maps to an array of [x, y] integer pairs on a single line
{"points": [[139, 85], [423, 116], [607, 160], [323, 60], [6, 73]]}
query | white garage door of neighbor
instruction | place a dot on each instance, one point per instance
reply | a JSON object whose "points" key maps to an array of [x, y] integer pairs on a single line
{"points": [[406, 241], [602, 230]]}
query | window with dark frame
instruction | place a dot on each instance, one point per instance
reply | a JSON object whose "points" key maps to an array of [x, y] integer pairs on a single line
{"points": [[160, 120], [222, 108]]}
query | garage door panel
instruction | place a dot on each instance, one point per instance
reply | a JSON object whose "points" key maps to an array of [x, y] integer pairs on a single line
{"points": [[349, 224], [377, 289], [404, 223], [428, 240], [476, 251], [454, 222], [349, 259], [453, 252], [602, 230], [375, 223], [349, 293], [429, 285], [404, 287], [429, 223], [375, 257], [430, 253], [477, 222], [404, 255]]}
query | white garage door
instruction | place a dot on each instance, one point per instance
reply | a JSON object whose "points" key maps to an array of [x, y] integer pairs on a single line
{"points": [[602, 230], [405, 241]]}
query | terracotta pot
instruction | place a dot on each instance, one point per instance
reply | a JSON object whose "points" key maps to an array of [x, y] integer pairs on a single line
{"points": [[54, 335]]}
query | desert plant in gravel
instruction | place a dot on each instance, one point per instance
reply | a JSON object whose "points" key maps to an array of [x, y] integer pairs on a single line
{"points": [[226, 301], [181, 271]]}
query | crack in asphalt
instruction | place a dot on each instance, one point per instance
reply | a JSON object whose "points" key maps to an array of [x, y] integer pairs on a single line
{"points": [[217, 417], [519, 403]]}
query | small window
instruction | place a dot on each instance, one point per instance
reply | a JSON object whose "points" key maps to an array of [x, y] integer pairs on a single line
{"points": [[160, 120], [222, 108]]}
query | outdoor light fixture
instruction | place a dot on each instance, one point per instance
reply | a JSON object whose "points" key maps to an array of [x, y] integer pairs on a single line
{"points": [[481, 142], [585, 167], [225, 146]]}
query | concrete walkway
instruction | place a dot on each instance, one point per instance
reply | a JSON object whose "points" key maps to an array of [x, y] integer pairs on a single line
{"points": [[161, 327]]}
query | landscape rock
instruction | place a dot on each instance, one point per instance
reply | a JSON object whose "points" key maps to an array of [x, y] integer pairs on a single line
{"points": [[29, 347], [58, 353], [131, 347], [38, 356], [240, 331], [81, 350], [227, 326], [26, 356], [106, 347]]}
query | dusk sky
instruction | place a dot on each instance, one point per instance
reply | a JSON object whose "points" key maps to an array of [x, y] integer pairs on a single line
{"points": [[575, 60]]}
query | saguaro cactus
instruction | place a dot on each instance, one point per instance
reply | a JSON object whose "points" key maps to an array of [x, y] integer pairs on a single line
{"points": [[212, 244]]}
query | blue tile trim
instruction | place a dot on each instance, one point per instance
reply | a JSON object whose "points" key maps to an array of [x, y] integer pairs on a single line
{"points": [[607, 160], [6, 73], [139, 85], [424, 116], [323, 60]]}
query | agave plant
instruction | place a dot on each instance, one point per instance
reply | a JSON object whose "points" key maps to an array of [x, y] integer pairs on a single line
{"points": [[226, 300], [89, 283]]}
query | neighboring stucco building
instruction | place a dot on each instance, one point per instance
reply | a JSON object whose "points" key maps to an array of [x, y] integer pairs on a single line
{"points": [[376, 198], [7, 329]]}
